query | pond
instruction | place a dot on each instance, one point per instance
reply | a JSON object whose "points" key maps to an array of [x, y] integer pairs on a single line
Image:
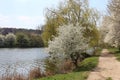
{"points": [[21, 59]]}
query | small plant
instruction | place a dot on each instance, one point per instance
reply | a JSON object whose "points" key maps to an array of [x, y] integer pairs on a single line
{"points": [[109, 78], [35, 73], [66, 67]]}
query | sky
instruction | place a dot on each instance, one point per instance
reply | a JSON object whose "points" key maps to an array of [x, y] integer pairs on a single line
{"points": [[30, 13]]}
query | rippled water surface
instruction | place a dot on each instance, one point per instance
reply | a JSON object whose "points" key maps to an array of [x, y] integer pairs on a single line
{"points": [[20, 59]]}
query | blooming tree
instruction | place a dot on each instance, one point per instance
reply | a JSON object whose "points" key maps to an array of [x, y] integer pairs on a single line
{"points": [[70, 43], [113, 36], [103, 30]]}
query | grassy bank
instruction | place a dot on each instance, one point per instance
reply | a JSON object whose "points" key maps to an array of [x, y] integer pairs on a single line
{"points": [[113, 50], [79, 74], [116, 52]]}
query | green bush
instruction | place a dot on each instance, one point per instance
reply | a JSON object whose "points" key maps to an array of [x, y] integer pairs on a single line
{"points": [[88, 64]]}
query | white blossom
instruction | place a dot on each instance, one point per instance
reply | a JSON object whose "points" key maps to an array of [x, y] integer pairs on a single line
{"points": [[69, 41], [113, 35]]}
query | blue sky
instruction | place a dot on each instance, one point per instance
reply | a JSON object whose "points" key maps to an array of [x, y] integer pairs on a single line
{"points": [[30, 13]]}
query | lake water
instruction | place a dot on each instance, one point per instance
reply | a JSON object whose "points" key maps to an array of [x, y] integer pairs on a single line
{"points": [[21, 59]]}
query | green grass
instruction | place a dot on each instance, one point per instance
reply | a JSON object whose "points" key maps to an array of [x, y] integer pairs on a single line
{"points": [[70, 76], [88, 64], [79, 74], [113, 50], [116, 52]]}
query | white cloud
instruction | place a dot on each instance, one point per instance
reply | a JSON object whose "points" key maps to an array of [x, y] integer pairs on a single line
{"points": [[24, 19], [30, 20], [21, 21], [4, 19]]}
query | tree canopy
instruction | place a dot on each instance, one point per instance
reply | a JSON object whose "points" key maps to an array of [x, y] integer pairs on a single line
{"points": [[74, 12]]}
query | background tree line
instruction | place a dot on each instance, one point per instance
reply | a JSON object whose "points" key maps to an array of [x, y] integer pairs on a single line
{"points": [[20, 40], [5, 31]]}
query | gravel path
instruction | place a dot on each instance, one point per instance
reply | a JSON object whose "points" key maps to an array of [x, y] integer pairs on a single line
{"points": [[108, 67]]}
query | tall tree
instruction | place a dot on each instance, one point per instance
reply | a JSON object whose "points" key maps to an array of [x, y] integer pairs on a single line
{"points": [[113, 36], [72, 11]]}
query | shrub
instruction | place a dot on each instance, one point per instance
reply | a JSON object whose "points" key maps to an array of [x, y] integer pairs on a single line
{"points": [[88, 64], [35, 73], [70, 43], [10, 40], [50, 67], [66, 66], [53, 67]]}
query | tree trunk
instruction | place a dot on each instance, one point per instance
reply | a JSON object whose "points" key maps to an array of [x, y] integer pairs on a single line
{"points": [[74, 59], [76, 63]]}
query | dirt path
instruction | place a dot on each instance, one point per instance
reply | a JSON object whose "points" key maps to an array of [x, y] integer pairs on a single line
{"points": [[108, 67]]}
